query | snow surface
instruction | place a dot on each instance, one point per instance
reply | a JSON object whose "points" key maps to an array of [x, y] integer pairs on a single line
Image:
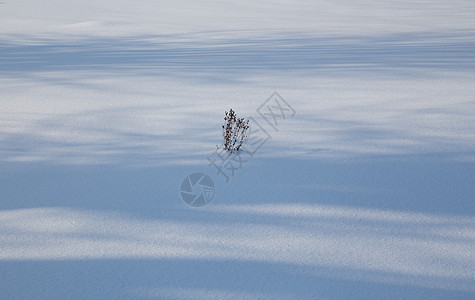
{"points": [[367, 192]]}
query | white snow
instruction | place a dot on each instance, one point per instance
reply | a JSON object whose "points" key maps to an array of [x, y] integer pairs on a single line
{"points": [[311, 236], [367, 192]]}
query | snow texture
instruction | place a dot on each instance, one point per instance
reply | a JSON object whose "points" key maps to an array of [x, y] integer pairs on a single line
{"points": [[367, 191]]}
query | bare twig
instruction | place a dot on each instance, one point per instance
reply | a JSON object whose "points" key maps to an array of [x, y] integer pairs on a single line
{"points": [[234, 131]]}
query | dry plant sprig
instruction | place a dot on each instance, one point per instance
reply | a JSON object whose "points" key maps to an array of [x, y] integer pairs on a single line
{"points": [[234, 131]]}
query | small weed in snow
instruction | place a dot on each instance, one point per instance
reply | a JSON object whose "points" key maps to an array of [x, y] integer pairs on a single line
{"points": [[234, 131]]}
